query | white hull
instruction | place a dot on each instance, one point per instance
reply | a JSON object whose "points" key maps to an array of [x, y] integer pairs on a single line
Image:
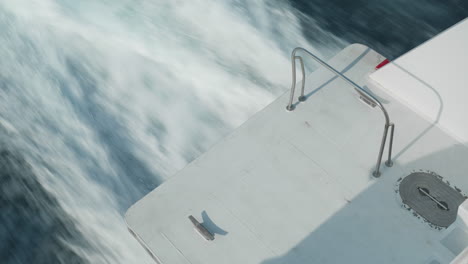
{"points": [[297, 187]]}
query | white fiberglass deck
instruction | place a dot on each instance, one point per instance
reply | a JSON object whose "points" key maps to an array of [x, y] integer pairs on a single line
{"points": [[297, 187]]}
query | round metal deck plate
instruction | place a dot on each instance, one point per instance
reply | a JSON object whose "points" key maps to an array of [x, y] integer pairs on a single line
{"points": [[431, 198]]}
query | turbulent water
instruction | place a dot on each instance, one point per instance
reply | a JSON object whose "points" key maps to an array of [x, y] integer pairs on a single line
{"points": [[101, 101]]}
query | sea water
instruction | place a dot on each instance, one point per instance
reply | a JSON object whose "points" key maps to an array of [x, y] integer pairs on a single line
{"points": [[103, 100]]}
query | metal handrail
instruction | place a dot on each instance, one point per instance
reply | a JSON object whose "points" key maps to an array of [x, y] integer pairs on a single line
{"points": [[290, 106]]}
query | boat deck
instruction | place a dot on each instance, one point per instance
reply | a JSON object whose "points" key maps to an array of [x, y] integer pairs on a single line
{"points": [[297, 187]]}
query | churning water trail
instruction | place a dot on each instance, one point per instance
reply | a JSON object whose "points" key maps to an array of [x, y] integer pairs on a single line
{"points": [[101, 101]]}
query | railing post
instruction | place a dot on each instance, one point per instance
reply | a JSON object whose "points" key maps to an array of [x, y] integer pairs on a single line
{"points": [[290, 105], [377, 173], [389, 162], [302, 97]]}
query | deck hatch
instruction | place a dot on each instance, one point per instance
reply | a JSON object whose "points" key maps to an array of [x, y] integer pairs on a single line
{"points": [[431, 198]]}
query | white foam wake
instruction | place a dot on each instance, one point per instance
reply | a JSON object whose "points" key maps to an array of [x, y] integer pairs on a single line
{"points": [[107, 99]]}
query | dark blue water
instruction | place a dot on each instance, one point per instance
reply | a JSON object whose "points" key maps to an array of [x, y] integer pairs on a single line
{"points": [[389, 27], [101, 101]]}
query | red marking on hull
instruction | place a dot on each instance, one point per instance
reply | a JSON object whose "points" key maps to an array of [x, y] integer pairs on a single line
{"points": [[383, 63]]}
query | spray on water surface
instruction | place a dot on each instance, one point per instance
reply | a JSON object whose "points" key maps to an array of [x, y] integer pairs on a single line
{"points": [[101, 101]]}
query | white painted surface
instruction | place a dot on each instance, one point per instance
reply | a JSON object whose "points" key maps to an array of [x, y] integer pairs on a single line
{"points": [[462, 258], [296, 187], [462, 221], [463, 212], [433, 80]]}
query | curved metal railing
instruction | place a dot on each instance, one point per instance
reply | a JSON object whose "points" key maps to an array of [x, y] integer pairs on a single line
{"points": [[388, 124]]}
